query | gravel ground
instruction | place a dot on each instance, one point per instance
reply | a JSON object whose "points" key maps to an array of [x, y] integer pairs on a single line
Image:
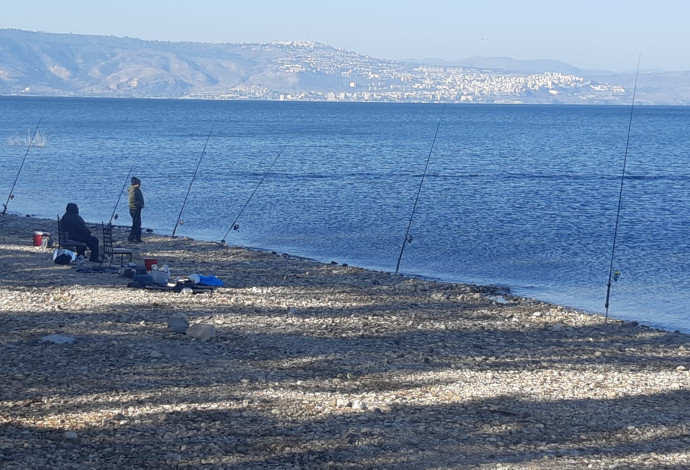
{"points": [[319, 366]]}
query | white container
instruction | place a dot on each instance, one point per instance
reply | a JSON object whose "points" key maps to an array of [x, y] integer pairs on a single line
{"points": [[160, 275]]}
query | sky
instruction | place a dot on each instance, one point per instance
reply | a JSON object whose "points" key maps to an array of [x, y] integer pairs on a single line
{"points": [[603, 35]]}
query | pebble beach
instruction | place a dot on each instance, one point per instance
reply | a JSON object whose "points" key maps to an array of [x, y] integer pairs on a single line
{"points": [[318, 366]]}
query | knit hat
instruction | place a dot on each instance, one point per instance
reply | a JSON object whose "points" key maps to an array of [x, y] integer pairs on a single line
{"points": [[135, 180]]}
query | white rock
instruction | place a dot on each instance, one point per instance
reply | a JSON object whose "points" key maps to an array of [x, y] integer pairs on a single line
{"points": [[359, 405]]}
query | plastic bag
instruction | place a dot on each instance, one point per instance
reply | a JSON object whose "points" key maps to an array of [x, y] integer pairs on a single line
{"points": [[206, 280], [63, 256]]}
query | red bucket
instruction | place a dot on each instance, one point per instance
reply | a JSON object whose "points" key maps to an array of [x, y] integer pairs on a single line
{"points": [[41, 238], [149, 262]]}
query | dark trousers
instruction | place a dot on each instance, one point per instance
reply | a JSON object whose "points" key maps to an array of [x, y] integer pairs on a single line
{"points": [[92, 242], [135, 232]]}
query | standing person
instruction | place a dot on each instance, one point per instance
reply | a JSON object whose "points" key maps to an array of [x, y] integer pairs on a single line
{"points": [[136, 204], [74, 225]]}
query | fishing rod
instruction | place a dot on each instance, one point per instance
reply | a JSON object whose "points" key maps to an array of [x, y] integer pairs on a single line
{"points": [[113, 215], [407, 238], [234, 225], [31, 141], [613, 275], [190, 183]]}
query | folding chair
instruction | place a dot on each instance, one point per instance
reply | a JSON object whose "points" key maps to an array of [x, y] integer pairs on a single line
{"points": [[110, 250]]}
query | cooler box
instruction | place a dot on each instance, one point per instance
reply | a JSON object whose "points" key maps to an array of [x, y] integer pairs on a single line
{"points": [[160, 276]]}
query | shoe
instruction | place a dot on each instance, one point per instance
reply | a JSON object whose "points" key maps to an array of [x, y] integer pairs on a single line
{"points": [[138, 241]]}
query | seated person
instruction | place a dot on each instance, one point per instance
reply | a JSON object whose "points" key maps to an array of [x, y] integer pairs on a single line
{"points": [[76, 228]]}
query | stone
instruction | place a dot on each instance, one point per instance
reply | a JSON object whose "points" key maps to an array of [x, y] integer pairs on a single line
{"points": [[359, 405], [58, 339], [342, 380], [201, 331], [178, 325]]}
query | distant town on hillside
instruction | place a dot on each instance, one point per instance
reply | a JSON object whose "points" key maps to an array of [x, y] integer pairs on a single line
{"points": [[51, 64]]}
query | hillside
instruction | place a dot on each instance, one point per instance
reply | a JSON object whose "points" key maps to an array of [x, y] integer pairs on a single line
{"points": [[48, 64]]}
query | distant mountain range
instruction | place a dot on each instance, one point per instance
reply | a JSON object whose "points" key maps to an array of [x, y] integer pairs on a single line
{"points": [[50, 64]]}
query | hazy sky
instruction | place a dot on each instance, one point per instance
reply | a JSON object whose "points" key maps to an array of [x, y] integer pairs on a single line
{"points": [[601, 34]]}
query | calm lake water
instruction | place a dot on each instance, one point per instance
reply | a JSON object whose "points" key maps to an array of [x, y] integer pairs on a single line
{"points": [[518, 196]]}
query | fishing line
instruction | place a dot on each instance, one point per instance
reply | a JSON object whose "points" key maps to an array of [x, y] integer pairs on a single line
{"points": [[113, 215], [191, 183], [31, 141], [234, 225], [407, 238], [614, 275]]}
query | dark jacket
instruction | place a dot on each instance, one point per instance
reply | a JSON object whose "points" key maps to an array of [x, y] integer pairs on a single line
{"points": [[136, 197], [73, 223]]}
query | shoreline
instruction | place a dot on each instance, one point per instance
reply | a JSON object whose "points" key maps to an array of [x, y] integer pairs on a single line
{"points": [[319, 365], [498, 289], [511, 289]]}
